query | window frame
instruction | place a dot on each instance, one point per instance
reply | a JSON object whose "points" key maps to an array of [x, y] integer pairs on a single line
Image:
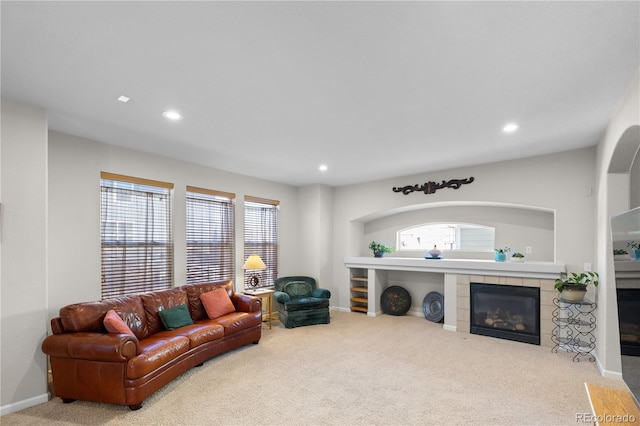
{"points": [[221, 228], [267, 250], [458, 225], [141, 257]]}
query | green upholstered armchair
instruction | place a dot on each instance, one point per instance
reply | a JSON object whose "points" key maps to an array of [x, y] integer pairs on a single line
{"points": [[301, 302]]}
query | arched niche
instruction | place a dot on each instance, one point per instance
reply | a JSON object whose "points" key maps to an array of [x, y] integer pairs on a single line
{"points": [[517, 226]]}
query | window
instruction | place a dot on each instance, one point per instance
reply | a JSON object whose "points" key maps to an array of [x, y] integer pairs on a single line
{"points": [[447, 236], [135, 235], [261, 236], [210, 235]]}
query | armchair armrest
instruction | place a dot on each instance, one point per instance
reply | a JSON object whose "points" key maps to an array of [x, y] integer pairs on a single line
{"points": [[92, 346], [246, 303], [281, 297], [321, 293]]}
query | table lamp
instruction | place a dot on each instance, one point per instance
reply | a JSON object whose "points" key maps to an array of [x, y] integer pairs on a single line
{"points": [[254, 263]]}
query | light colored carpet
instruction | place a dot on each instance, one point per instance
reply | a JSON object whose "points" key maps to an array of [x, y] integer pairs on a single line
{"points": [[358, 371]]}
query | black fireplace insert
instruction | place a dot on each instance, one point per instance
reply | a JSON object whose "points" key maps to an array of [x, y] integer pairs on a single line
{"points": [[629, 320], [506, 312]]}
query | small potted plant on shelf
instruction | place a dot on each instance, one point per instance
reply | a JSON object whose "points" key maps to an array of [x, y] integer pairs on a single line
{"points": [[517, 257], [501, 254], [620, 254], [573, 286], [380, 249], [636, 249]]}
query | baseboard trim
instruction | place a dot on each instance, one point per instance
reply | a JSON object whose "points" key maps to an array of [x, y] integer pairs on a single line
{"points": [[449, 327], [607, 373], [25, 403]]}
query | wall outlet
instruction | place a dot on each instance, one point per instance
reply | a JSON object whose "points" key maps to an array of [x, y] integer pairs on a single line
{"points": [[528, 250], [587, 267]]}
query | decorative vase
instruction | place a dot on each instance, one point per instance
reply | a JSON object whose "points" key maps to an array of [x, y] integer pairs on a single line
{"points": [[378, 253], [573, 293], [501, 257], [434, 252], [517, 259], [636, 254]]}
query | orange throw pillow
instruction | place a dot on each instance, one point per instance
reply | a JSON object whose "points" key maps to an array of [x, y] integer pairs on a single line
{"points": [[114, 324], [217, 303]]}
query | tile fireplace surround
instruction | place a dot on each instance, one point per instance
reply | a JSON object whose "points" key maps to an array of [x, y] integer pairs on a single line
{"points": [[458, 275], [547, 294]]}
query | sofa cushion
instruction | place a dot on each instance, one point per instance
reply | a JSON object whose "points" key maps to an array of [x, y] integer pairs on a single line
{"points": [[298, 288], [237, 321], [114, 324], [196, 333], [217, 303], [176, 317], [160, 300], [155, 352], [89, 316], [302, 303], [198, 312]]}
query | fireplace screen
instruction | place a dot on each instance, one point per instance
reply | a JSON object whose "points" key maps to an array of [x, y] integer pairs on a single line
{"points": [[506, 312]]}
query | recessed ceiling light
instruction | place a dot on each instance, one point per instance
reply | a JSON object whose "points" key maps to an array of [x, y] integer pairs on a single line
{"points": [[323, 167], [510, 128], [124, 99], [172, 115]]}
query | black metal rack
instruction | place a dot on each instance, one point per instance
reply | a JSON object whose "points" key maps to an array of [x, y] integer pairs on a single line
{"points": [[574, 327]]}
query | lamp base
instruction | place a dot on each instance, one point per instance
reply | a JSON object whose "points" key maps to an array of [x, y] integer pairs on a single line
{"points": [[254, 281]]}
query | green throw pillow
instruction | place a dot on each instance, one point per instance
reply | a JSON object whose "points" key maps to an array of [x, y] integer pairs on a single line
{"points": [[175, 317]]}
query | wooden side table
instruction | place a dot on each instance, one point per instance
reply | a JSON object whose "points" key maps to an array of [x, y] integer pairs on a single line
{"points": [[262, 293]]}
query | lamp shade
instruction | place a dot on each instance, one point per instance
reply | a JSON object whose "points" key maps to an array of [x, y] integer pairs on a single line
{"points": [[254, 262]]}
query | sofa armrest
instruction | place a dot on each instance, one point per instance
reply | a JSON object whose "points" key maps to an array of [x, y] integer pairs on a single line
{"points": [[281, 297], [92, 346], [321, 293], [246, 303]]}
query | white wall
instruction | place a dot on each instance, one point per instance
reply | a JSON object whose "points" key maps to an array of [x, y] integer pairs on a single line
{"points": [[313, 243], [74, 211], [634, 182], [23, 276], [562, 183], [613, 195]]}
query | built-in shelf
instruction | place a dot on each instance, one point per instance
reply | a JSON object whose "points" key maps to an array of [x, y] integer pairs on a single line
{"points": [[359, 290], [544, 270]]}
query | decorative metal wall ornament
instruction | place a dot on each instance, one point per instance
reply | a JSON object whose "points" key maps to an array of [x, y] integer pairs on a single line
{"points": [[431, 187]]}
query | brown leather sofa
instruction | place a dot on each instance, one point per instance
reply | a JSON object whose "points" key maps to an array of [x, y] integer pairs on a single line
{"points": [[88, 363]]}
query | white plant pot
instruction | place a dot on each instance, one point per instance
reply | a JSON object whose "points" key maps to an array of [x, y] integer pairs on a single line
{"points": [[573, 294]]}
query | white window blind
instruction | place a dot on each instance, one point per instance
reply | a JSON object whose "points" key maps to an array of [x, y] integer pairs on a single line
{"points": [[261, 236], [210, 235], [136, 238]]}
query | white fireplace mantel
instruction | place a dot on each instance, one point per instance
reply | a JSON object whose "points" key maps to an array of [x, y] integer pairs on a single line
{"points": [[542, 270]]}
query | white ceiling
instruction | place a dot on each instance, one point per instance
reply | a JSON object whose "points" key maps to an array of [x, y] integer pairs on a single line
{"points": [[372, 89]]}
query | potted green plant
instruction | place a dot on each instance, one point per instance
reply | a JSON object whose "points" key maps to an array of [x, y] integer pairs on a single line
{"points": [[573, 286], [380, 249], [636, 249], [501, 254], [620, 254], [517, 257]]}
